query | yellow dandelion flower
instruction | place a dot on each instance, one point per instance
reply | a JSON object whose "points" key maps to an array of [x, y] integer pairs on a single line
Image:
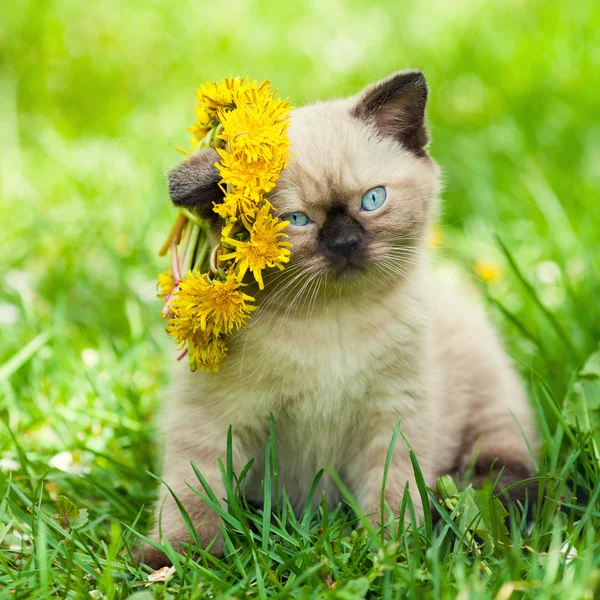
{"points": [[207, 352], [253, 92], [204, 123], [254, 179], [224, 307], [222, 96], [185, 320], [227, 229], [257, 130], [234, 205], [166, 283], [209, 306], [253, 127], [488, 271], [181, 328], [212, 98], [263, 249]]}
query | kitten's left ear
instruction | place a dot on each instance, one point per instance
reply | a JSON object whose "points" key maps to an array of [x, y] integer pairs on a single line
{"points": [[194, 183], [396, 106]]}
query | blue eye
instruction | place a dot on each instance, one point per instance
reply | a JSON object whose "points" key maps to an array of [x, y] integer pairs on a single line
{"points": [[297, 218], [373, 199]]}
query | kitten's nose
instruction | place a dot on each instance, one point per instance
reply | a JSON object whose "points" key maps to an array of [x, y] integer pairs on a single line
{"points": [[344, 244], [340, 235]]}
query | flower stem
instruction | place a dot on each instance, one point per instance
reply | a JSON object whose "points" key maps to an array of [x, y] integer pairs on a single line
{"points": [[175, 261], [184, 246], [174, 234], [190, 250]]}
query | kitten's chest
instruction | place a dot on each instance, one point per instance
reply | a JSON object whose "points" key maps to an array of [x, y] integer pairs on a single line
{"points": [[323, 384], [322, 365]]}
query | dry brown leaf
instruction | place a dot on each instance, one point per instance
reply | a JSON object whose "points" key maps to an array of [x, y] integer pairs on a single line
{"points": [[161, 575]]}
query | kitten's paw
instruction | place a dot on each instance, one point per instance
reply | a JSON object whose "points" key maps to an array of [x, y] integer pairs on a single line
{"points": [[156, 559], [151, 556], [373, 515], [510, 473], [179, 540]]}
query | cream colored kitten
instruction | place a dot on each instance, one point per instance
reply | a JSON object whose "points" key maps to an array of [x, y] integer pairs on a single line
{"points": [[353, 335]]}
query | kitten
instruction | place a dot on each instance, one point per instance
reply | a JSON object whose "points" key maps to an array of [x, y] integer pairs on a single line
{"points": [[353, 335]]}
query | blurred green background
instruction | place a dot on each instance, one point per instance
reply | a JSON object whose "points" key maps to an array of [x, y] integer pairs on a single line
{"points": [[93, 98]]}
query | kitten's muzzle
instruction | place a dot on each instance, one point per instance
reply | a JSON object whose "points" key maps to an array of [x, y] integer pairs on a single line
{"points": [[342, 239], [345, 246]]}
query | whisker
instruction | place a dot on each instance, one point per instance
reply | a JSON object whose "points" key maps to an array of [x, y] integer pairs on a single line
{"points": [[406, 249], [286, 286], [297, 297], [392, 280], [283, 286], [397, 268], [313, 300], [405, 258], [308, 298], [297, 281], [432, 256]]}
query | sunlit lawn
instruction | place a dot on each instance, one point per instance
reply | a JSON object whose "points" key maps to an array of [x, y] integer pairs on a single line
{"points": [[93, 98]]}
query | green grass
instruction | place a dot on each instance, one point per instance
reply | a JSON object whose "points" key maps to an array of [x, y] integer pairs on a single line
{"points": [[93, 96]]}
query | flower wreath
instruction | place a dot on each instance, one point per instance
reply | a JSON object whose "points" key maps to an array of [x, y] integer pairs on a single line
{"points": [[247, 125]]}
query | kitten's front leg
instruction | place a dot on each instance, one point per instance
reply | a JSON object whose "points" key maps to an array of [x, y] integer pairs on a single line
{"points": [[169, 522], [365, 472]]}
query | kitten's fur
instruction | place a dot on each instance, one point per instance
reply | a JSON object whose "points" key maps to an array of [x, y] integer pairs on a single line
{"points": [[352, 336]]}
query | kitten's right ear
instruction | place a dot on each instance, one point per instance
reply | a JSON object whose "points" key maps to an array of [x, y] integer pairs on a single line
{"points": [[396, 106], [194, 183]]}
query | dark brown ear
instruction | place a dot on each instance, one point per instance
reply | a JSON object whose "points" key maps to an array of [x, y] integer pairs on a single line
{"points": [[396, 106], [194, 184]]}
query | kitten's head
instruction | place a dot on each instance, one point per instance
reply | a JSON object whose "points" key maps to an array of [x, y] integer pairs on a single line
{"points": [[360, 190]]}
